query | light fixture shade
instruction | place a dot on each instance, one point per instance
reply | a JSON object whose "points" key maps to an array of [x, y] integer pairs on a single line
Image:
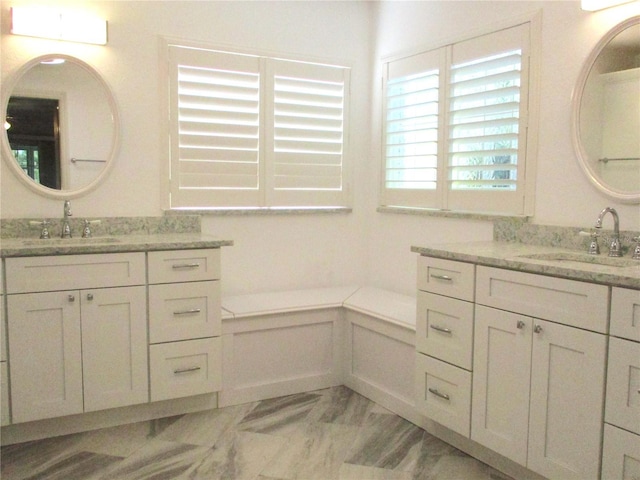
{"points": [[593, 5], [50, 23]]}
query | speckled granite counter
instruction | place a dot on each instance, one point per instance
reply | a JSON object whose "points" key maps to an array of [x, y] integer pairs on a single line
{"points": [[30, 247], [514, 256]]}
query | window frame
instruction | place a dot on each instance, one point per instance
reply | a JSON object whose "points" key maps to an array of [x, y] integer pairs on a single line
{"points": [[443, 198], [265, 197]]}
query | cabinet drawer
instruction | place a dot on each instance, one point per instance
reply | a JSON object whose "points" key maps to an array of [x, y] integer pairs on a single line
{"points": [[181, 311], [446, 277], [620, 454], [623, 385], [444, 329], [184, 265], [70, 272], [625, 313], [181, 369], [3, 334], [444, 393], [573, 303], [5, 419]]}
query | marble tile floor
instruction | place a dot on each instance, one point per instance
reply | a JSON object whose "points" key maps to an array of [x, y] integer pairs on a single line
{"points": [[327, 434]]}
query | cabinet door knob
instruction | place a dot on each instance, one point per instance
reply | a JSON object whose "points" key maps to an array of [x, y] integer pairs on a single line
{"points": [[71, 298], [520, 324], [537, 329], [89, 296]]}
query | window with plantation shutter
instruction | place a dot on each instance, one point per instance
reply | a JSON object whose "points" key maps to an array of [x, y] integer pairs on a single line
{"points": [[250, 131], [472, 154], [306, 148]]}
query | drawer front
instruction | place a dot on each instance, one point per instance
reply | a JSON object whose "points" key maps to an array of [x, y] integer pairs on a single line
{"points": [[443, 393], [446, 277], [184, 266], [623, 385], [444, 329], [625, 313], [69, 272], [182, 311], [620, 454], [569, 302], [182, 369], [5, 418]]}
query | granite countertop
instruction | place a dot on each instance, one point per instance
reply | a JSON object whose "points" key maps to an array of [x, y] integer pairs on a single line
{"points": [[31, 247], [552, 261]]}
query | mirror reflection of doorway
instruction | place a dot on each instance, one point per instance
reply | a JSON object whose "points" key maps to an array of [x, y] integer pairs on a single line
{"points": [[33, 132]]}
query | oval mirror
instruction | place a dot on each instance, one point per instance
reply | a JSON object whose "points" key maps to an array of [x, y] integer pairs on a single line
{"points": [[61, 128], [606, 113]]}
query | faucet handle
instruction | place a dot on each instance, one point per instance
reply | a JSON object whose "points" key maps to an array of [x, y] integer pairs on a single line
{"points": [[86, 231], [636, 251], [44, 234], [594, 249]]}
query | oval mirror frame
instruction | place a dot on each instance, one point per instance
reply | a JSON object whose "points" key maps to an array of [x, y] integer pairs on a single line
{"points": [[582, 156], [10, 160]]}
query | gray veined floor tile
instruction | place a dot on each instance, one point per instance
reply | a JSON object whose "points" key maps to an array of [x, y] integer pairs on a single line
{"points": [[158, 460], [349, 471], [341, 405], [387, 441], [23, 460], [279, 416], [79, 466], [314, 452], [205, 428], [237, 456]]}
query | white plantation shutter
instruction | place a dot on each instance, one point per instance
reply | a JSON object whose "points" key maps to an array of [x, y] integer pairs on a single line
{"points": [[252, 131], [456, 125], [487, 122], [411, 141], [306, 125], [215, 137]]}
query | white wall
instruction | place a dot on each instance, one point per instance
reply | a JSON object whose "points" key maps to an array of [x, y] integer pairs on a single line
{"points": [[283, 252]]}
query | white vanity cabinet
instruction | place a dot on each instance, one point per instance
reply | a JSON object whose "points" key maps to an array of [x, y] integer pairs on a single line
{"points": [[538, 384], [77, 333], [444, 335], [621, 451], [185, 351]]}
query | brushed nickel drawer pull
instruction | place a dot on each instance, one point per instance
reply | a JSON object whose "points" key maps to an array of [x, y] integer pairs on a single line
{"points": [[178, 266], [437, 328], [186, 370], [187, 312], [444, 396], [446, 278]]}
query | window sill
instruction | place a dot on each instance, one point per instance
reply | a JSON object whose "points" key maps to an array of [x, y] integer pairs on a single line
{"points": [[257, 211], [428, 212]]}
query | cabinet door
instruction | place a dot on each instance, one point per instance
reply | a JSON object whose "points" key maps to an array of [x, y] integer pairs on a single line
{"points": [[623, 385], [44, 341], [114, 353], [567, 389], [620, 454], [501, 374]]}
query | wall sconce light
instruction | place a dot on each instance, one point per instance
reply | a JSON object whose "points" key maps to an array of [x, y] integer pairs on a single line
{"points": [[49, 23], [593, 5]]}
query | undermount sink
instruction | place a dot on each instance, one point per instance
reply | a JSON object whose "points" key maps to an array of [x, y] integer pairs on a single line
{"points": [[69, 241], [567, 257]]}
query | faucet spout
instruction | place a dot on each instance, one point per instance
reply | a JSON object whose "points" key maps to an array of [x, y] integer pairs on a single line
{"points": [[614, 247], [66, 228]]}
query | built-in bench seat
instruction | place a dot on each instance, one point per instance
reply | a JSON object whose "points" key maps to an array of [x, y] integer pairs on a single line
{"points": [[279, 343]]}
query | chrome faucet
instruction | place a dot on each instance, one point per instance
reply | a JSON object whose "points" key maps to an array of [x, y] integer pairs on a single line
{"points": [[66, 229], [614, 246]]}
